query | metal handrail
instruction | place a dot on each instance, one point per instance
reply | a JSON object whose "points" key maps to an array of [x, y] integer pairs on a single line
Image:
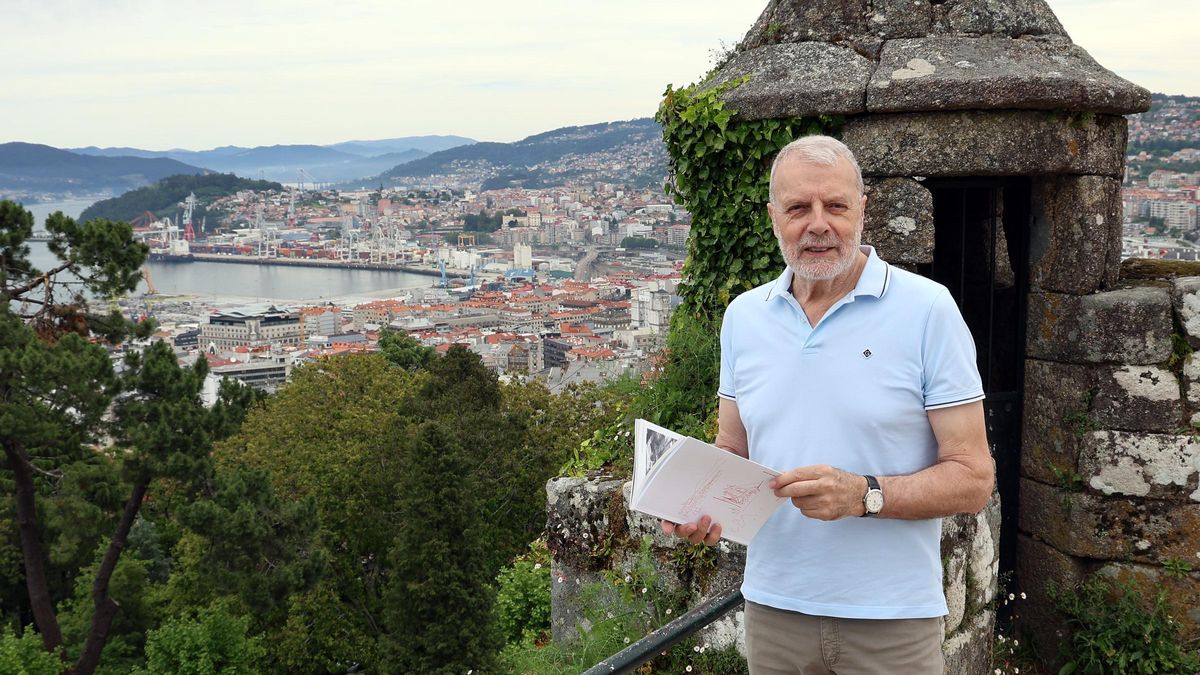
{"points": [[628, 659]]}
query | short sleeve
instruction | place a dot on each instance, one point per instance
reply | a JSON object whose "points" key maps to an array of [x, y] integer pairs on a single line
{"points": [[725, 388], [950, 374]]}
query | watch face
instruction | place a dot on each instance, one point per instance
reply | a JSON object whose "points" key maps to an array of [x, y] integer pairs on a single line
{"points": [[874, 501]]}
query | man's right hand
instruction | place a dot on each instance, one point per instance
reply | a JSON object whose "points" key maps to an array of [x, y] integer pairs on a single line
{"points": [[703, 530]]}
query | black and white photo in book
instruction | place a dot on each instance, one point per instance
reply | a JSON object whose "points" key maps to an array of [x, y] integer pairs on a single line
{"points": [[658, 444], [651, 443]]}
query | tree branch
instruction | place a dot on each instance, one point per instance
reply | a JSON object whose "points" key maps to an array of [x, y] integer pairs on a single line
{"points": [[44, 279], [56, 475], [106, 606]]}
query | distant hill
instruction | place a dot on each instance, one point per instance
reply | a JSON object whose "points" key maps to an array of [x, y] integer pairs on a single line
{"points": [[30, 168], [624, 152], [1168, 127], [350, 160], [163, 198], [426, 144]]}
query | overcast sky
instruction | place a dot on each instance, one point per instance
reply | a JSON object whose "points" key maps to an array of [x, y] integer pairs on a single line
{"points": [[196, 74]]}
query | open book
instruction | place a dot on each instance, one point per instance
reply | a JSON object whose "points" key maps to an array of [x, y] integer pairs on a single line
{"points": [[682, 479]]}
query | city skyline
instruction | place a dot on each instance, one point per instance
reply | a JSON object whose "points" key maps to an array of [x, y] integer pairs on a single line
{"points": [[149, 75]]}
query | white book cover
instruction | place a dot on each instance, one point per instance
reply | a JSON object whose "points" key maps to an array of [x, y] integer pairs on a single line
{"points": [[681, 479]]}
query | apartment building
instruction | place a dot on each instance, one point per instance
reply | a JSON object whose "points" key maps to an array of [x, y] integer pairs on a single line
{"points": [[252, 326], [1175, 213]]}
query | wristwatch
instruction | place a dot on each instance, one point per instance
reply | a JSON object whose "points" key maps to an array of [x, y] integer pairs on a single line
{"points": [[873, 500]]}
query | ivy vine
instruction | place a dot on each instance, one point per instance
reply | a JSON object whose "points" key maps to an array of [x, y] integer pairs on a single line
{"points": [[720, 172]]}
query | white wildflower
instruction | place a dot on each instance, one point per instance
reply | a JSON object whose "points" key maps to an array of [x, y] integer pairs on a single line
{"points": [[1022, 595], [1011, 596], [537, 566], [689, 669], [696, 648]]}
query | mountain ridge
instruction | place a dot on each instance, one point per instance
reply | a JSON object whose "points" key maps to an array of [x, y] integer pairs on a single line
{"points": [[347, 160], [30, 168], [624, 151]]}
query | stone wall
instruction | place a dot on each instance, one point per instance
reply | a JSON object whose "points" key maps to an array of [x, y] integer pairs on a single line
{"points": [[591, 530], [1110, 454]]}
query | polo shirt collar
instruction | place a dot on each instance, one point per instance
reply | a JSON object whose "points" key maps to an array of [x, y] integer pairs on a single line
{"points": [[874, 280]]}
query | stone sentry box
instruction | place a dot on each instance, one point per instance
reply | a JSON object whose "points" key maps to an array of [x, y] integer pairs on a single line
{"points": [[936, 92]]}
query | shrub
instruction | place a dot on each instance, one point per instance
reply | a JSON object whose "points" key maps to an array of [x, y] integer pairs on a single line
{"points": [[523, 597], [617, 611], [24, 654], [213, 642], [1114, 630]]}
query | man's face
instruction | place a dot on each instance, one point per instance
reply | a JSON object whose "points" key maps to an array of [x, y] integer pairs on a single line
{"points": [[817, 217]]}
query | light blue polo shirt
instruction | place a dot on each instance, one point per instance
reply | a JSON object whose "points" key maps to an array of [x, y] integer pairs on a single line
{"points": [[850, 392]]}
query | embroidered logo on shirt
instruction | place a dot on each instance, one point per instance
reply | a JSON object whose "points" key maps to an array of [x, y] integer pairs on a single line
{"points": [[866, 353]]}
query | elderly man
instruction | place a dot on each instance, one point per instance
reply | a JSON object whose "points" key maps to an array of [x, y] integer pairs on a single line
{"points": [[858, 381]]}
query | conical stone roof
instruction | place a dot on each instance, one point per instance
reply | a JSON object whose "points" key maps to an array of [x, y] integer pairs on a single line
{"points": [[846, 57]]}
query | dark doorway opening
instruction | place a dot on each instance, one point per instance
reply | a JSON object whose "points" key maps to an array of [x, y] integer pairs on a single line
{"points": [[981, 254]]}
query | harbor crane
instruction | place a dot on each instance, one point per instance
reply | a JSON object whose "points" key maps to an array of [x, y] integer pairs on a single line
{"points": [[145, 220], [189, 206], [150, 289], [267, 243]]}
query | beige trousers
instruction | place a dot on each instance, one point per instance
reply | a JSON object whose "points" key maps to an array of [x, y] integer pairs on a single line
{"points": [[779, 642]]}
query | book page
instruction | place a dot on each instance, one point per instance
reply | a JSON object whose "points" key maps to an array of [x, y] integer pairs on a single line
{"points": [[697, 479], [650, 444]]}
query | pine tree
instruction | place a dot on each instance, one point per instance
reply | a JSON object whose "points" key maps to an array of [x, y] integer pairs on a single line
{"points": [[439, 602], [67, 418]]}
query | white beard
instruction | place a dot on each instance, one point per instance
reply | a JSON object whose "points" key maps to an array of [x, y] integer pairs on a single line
{"points": [[819, 270]]}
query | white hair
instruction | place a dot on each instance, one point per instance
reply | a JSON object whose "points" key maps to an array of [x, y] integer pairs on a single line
{"points": [[822, 150]]}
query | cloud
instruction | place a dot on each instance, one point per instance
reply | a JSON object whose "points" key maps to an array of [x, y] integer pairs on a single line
{"points": [[163, 73]]}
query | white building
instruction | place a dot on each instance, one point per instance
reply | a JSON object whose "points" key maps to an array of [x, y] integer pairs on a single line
{"points": [[1162, 178], [651, 307], [522, 256], [677, 235], [1175, 213], [252, 326], [321, 320], [638, 230]]}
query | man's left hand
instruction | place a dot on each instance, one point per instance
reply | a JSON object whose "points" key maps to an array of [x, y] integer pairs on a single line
{"points": [[822, 492]]}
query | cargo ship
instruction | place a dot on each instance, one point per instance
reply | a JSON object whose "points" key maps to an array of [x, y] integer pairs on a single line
{"points": [[175, 250]]}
